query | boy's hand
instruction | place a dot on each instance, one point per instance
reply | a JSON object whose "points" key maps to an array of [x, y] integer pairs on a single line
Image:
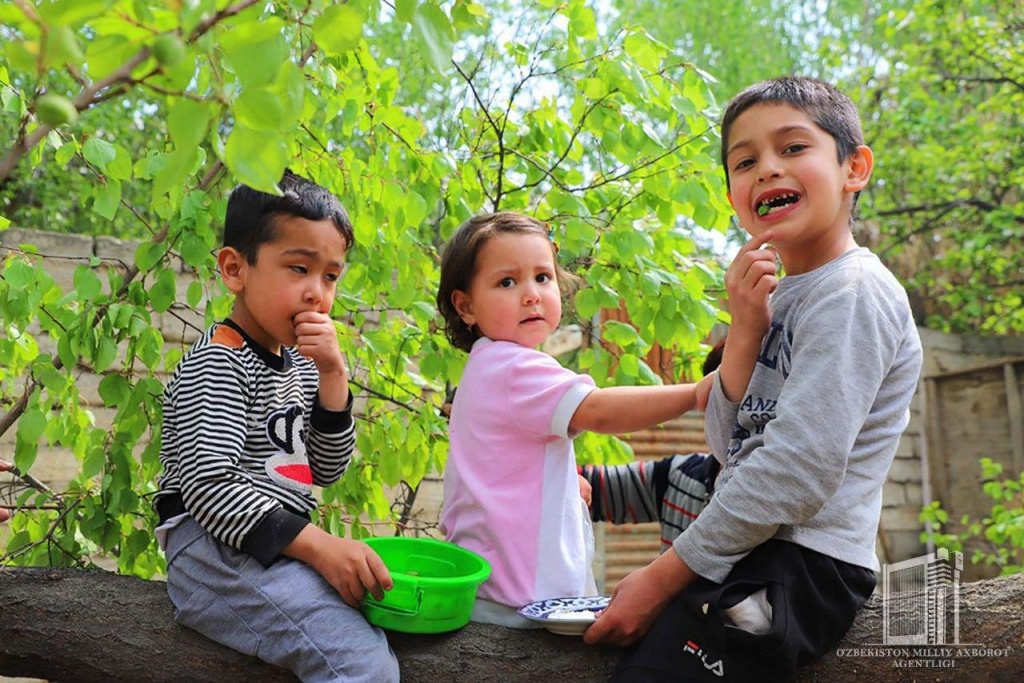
{"points": [[639, 600], [317, 339], [750, 279], [586, 490], [353, 568], [350, 566]]}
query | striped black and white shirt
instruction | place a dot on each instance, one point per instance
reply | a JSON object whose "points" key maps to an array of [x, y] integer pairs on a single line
{"points": [[244, 439], [671, 491]]}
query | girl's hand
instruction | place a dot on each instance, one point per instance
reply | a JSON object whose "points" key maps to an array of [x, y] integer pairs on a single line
{"points": [[704, 391], [586, 490]]}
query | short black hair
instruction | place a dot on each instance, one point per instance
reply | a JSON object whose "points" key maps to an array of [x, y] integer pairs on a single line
{"points": [[714, 358], [458, 266], [829, 108], [250, 218]]}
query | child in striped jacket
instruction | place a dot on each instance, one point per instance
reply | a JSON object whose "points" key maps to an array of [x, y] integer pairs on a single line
{"points": [[256, 413]]}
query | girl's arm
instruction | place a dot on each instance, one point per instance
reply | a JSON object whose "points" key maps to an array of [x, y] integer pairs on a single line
{"points": [[619, 410]]}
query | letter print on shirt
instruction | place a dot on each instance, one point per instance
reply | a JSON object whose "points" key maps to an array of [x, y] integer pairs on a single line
{"points": [[289, 467]]}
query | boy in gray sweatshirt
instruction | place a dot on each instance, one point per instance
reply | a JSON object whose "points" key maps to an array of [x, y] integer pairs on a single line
{"points": [[772, 572]]}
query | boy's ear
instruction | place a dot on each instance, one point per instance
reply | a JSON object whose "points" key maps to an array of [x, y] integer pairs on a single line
{"points": [[463, 306], [731, 202], [232, 265], [862, 161]]}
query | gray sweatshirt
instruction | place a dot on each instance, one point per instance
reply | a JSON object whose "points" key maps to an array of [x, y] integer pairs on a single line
{"points": [[805, 453]]}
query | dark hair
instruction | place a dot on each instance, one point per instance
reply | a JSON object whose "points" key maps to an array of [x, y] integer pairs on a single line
{"points": [[458, 266], [249, 221], [714, 358], [830, 109]]}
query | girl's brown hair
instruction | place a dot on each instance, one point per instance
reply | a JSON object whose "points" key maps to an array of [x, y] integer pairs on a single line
{"points": [[458, 266]]}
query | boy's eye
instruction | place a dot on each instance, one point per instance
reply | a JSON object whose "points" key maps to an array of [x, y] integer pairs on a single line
{"points": [[543, 277], [332, 277], [506, 282], [742, 164], [299, 269], [796, 147]]}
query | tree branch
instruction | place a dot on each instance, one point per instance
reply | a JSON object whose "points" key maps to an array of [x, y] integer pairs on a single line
{"points": [[87, 97]]}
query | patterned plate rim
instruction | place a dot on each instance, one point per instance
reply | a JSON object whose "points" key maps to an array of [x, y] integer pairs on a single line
{"points": [[542, 609]]}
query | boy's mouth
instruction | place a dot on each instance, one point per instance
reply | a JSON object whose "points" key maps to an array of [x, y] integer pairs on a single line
{"points": [[775, 201], [532, 318]]}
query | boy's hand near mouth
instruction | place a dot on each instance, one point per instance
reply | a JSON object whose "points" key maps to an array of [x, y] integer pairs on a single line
{"points": [[317, 339]]}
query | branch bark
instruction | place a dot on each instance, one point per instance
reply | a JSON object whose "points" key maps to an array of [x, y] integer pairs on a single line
{"points": [[67, 624]]}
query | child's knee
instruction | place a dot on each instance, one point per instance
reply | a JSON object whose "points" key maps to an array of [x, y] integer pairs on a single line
{"points": [[388, 666]]}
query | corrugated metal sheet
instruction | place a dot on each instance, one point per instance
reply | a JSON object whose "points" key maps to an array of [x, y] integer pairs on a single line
{"points": [[631, 546]]}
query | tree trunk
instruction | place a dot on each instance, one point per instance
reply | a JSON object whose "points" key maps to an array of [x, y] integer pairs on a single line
{"points": [[74, 625]]}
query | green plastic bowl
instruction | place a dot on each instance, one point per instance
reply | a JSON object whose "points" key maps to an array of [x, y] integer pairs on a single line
{"points": [[435, 585]]}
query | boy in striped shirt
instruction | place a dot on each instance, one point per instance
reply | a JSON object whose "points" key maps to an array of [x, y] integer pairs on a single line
{"points": [[256, 413]]}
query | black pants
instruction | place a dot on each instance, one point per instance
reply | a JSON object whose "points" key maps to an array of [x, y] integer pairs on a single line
{"points": [[814, 599]]}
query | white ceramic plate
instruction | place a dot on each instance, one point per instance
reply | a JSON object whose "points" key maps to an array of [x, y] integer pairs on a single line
{"points": [[565, 616]]}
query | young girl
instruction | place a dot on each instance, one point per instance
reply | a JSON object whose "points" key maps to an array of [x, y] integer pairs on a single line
{"points": [[511, 491]]}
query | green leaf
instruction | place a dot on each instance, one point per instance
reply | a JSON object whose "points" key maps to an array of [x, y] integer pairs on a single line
{"points": [[187, 122], [258, 160], [194, 250], [99, 153], [415, 209], [31, 425], [121, 166], [639, 47], [259, 109], [338, 29], [149, 346], [621, 334], [108, 198], [106, 352], [256, 50], [87, 283], [114, 390], [630, 364], [194, 295], [434, 33], [94, 461], [19, 275], [65, 154], [404, 10], [163, 292], [148, 254]]}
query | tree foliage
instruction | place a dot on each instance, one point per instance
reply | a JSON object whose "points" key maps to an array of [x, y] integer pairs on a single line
{"points": [[939, 85], [945, 118], [417, 114]]}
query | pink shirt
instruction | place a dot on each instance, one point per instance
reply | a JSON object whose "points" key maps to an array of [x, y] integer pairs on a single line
{"points": [[510, 486]]}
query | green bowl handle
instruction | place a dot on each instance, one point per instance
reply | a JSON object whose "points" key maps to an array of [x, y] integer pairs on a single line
{"points": [[406, 597]]}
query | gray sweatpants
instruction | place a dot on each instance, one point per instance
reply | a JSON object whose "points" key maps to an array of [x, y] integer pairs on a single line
{"points": [[285, 614]]}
